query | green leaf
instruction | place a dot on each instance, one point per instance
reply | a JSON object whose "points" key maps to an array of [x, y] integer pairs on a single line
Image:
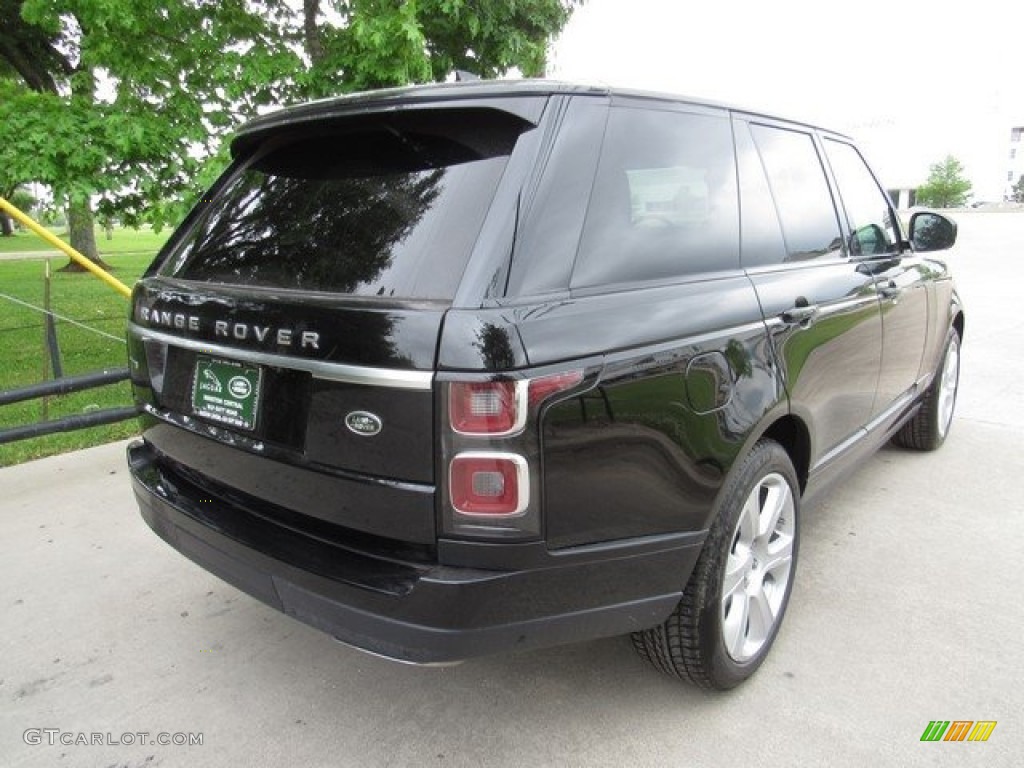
{"points": [[135, 101]]}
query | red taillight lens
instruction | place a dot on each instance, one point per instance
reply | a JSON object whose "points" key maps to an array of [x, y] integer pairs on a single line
{"points": [[490, 439], [484, 407], [489, 484], [541, 389]]}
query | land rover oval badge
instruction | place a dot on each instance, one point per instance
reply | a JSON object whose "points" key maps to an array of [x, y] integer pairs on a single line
{"points": [[364, 423]]}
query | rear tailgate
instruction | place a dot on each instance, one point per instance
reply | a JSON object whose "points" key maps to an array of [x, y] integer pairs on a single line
{"points": [[344, 442], [285, 339]]}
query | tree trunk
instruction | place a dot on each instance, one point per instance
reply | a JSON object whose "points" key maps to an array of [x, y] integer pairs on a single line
{"points": [[83, 235], [6, 229], [314, 43]]}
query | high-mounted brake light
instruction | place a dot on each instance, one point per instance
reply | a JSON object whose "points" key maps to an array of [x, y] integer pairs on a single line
{"points": [[489, 484]]}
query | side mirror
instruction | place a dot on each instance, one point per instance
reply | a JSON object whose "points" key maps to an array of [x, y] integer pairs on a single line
{"points": [[932, 231]]}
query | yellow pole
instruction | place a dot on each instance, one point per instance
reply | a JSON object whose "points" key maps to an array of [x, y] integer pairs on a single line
{"points": [[56, 242]]}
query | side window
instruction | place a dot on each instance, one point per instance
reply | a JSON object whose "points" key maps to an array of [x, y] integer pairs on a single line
{"points": [[550, 236], [872, 229], [664, 201], [761, 236], [801, 192]]}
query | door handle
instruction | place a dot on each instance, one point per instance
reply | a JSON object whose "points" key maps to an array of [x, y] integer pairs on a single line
{"points": [[800, 314]]}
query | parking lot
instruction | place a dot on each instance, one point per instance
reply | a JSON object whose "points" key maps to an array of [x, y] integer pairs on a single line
{"points": [[907, 609]]}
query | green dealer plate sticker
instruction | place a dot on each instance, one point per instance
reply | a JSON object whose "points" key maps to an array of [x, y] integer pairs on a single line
{"points": [[227, 392]]}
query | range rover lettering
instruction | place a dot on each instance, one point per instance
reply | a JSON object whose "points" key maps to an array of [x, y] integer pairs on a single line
{"points": [[458, 369]]}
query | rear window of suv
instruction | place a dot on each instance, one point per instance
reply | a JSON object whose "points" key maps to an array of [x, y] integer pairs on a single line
{"points": [[387, 206]]}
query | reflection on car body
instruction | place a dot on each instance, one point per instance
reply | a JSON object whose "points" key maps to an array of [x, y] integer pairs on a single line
{"points": [[524, 363]]}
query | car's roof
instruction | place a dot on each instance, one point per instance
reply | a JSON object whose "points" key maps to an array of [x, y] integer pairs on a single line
{"points": [[481, 91]]}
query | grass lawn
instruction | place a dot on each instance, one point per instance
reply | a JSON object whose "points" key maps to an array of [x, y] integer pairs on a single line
{"points": [[124, 240], [87, 300]]}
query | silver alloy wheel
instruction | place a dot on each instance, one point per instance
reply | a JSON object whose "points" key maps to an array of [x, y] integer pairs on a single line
{"points": [[948, 384], [758, 568]]}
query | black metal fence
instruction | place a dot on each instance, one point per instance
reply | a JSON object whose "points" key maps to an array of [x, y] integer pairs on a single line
{"points": [[64, 386]]}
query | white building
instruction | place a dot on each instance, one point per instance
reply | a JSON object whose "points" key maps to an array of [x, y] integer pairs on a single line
{"points": [[903, 197], [1015, 164]]}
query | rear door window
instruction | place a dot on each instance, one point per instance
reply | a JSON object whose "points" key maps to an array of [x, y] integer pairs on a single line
{"points": [[762, 241], [801, 193], [664, 201], [386, 206]]}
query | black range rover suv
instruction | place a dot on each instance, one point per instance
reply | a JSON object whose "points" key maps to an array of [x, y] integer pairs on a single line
{"points": [[450, 370]]}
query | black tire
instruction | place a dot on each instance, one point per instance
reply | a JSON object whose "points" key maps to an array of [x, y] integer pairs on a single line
{"points": [[701, 640], [927, 430]]}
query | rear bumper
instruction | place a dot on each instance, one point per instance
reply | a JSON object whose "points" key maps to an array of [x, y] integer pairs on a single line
{"points": [[408, 609]]}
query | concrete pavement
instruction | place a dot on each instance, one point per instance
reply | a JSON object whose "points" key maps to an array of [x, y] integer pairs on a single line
{"points": [[906, 609]]}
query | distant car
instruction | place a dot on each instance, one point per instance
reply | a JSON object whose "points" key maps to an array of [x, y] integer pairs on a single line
{"points": [[451, 370]]}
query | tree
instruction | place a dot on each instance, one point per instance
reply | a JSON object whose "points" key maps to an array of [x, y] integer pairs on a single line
{"points": [[127, 104], [116, 100], [373, 44], [1018, 190], [21, 199], [946, 186]]}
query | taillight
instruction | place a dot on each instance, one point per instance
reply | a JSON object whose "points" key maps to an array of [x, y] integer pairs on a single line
{"points": [[489, 484], [491, 450], [487, 407], [541, 389]]}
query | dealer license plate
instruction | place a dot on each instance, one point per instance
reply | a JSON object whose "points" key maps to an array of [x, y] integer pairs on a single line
{"points": [[227, 392]]}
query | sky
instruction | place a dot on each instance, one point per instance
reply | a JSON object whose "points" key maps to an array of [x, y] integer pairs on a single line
{"points": [[912, 81]]}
